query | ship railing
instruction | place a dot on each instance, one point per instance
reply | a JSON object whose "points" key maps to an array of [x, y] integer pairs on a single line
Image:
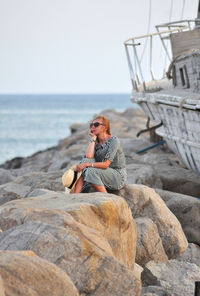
{"points": [[189, 23], [137, 71]]}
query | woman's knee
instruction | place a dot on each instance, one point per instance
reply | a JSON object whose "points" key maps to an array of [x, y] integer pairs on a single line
{"points": [[99, 188]]}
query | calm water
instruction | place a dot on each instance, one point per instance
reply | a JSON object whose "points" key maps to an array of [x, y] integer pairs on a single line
{"points": [[29, 123]]}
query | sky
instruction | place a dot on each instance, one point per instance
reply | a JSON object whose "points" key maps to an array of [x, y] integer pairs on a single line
{"points": [[75, 46]]}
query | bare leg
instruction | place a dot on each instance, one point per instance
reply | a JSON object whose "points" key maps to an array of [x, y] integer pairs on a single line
{"points": [[99, 188], [79, 185]]}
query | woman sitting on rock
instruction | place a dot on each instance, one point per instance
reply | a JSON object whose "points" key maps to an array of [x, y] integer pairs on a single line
{"points": [[104, 164]]}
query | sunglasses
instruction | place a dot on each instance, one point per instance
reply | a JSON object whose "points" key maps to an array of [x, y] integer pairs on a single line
{"points": [[96, 124]]}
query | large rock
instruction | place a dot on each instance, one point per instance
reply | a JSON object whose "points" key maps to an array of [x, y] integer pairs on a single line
{"points": [[154, 291], [79, 136], [27, 275], [106, 213], [159, 170], [113, 218], [22, 186], [180, 180], [149, 244], [5, 176], [51, 180], [13, 163], [83, 253], [172, 175], [167, 195], [187, 210], [2, 290], [42, 192], [12, 190], [178, 278], [137, 271], [58, 219], [141, 173], [192, 255], [59, 164], [39, 161], [145, 202], [132, 145]]}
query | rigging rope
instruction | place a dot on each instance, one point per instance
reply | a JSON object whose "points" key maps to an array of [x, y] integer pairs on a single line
{"points": [[148, 30], [171, 9], [182, 9]]}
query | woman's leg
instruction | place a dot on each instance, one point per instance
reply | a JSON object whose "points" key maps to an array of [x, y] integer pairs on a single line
{"points": [[99, 188], [79, 185]]}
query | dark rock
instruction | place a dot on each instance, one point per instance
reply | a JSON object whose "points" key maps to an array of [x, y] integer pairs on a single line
{"points": [[14, 163]]}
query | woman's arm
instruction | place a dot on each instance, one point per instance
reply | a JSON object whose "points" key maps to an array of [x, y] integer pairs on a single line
{"points": [[90, 150], [100, 165]]}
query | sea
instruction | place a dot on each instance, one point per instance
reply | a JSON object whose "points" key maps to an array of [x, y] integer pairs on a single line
{"points": [[31, 123]]}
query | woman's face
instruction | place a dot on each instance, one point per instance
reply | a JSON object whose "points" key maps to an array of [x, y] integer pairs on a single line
{"points": [[97, 130]]}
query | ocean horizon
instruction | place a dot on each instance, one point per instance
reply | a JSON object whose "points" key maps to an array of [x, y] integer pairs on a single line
{"points": [[31, 123]]}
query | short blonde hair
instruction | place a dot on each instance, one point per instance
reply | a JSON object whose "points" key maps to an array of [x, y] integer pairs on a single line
{"points": [[106, 123]]}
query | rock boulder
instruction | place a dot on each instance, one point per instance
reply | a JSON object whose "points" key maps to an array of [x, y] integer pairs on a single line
{"points": [[192, 254], [106, 213], [149, 244], [145, 202], [25, 274], [176, 277], [83, 253]]}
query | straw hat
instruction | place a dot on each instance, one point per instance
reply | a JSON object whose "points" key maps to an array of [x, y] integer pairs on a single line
{"points": [[70, 177]]}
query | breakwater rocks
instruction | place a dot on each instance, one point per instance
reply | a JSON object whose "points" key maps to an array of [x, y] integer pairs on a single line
{"points": [[141, 240]]}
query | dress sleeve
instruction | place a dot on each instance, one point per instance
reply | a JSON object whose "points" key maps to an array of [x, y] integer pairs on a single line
{"points": [[112, 149]]}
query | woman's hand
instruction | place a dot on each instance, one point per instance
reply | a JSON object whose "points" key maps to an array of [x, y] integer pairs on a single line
{"points": [[81, 166], [92, 136]]}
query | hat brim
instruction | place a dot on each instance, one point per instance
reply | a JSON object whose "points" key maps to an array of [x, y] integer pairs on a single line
{"points": [[69, 188], [78, 176], [73, 168]]}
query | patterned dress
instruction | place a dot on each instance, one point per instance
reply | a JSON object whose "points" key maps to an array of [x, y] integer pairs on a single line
{"points": [[114, 177]]}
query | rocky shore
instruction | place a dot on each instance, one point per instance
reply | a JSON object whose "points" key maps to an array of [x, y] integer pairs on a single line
{"points": [[141, 240]]}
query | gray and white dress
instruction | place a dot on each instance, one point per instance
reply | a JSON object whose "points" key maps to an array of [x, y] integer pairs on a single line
{"points": [[114, 177]]}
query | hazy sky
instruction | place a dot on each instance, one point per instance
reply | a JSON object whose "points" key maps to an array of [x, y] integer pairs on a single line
{"points": [[75, 46]]}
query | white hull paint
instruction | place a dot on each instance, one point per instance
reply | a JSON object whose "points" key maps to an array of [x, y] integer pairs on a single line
{"points": [[181, 123]]}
